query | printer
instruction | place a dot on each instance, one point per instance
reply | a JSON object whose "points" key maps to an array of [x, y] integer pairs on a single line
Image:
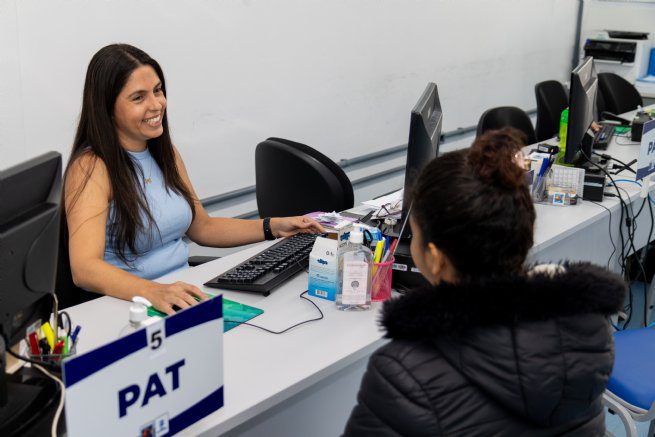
{"points": [[620, 52]]}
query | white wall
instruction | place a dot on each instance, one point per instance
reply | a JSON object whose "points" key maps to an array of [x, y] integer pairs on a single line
{"points": [[340, 75], [618, 15]]}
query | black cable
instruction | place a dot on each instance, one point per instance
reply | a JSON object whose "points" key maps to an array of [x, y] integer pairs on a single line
{"points": [[290, 327], [645, 260], [46, 364], [629, 222], [610, 232], [611, 158]]}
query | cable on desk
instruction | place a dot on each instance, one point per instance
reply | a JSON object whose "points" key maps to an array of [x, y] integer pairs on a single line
{"points": [[645, 259], [60, 407], [644, 256], [630, 224], [611, 158], [610, 232], [50, 366], [650, 197], [286, 329]]}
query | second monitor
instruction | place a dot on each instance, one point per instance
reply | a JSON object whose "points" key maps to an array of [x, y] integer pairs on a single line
{"points": [[422, 146]]}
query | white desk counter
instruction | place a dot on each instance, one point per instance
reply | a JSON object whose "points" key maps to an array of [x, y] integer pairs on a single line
{"points": [[581, 232], [262, 370], [304, 382]]}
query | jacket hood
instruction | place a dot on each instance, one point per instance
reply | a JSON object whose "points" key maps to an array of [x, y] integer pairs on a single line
{"points": [[538, 343]]}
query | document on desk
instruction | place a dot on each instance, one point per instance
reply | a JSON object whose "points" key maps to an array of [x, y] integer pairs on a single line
{"points": [[155, 381]]}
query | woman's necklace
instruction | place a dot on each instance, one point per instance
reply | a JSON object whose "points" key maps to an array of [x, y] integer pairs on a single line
{"points": [[148, 180]]}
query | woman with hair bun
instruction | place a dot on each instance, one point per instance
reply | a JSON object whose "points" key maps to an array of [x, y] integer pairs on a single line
{"points": [[490, 347]]}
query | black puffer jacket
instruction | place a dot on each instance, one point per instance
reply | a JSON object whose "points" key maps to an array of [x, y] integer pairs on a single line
{"points": [[513, 356]]}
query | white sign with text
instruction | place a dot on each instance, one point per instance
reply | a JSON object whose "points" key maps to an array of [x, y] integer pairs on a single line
{"points": [[153, 382]]}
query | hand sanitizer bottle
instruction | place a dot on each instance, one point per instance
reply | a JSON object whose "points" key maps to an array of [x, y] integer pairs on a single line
{"points": [[138, 315], [354, 283]]}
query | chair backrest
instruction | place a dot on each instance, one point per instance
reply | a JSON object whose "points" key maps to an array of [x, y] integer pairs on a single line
{"points": [[552, 99], [619, 95], [68, 294], [507, 116], [294, 179]]}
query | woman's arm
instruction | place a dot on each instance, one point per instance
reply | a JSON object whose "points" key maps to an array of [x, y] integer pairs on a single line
{"points": [[87, 197], [229, 232]]}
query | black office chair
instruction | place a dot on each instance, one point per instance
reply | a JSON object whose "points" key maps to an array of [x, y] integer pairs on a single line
{"points": [[507, 116], [618, 95], [294, 179], [68, 294], [552, 99]]}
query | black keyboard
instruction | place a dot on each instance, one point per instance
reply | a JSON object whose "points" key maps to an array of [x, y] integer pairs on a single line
{"points": [[603, 136], [269, 268]]}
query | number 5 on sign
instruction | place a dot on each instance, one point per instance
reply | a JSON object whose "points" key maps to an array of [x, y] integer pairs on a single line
{"points": [[156, 336]]}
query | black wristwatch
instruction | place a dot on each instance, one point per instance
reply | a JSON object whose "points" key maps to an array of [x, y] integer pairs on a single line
{"points": [[268, 233]]}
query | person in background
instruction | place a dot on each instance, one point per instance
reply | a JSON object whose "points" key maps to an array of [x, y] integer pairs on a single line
{"points": [[128, 199], [490, 347]]}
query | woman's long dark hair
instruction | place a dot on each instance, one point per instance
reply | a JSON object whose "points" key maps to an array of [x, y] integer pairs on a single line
{"points": [[108, 71], [474, 205]]}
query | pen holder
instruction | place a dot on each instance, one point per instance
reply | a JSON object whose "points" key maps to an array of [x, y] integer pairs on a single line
{"points": [[52, 358], [381, 282]]}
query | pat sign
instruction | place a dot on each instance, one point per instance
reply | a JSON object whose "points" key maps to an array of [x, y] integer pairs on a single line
{"points": [[153, 382]]}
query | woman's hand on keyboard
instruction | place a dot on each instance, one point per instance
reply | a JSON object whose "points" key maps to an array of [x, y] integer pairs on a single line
{"points": [[180, 294], [288, 226]]}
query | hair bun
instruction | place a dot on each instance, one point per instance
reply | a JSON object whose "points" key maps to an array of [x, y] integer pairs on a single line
{"points": [[492, 157]]}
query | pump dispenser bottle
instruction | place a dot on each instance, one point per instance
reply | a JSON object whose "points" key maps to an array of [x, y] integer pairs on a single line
{"points": [[138, 315], [354, 283]]}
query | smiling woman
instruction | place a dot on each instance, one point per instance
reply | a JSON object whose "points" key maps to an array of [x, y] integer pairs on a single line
{"points": [[128, 200], [139, 109]]}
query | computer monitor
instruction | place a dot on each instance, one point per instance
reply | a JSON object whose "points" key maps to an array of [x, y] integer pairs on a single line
{"points": [[423, 144], [29, 238], [582, 101]]}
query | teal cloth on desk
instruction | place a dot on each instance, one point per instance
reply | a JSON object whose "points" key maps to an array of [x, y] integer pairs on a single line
{"points": [[234, 313]]}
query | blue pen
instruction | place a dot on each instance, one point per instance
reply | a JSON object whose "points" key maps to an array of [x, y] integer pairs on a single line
{"points": [[75, 333], [544, 166], [386, 245]]}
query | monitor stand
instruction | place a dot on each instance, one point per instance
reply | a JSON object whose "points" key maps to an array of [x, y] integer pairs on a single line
{"points": [[587, 160]]}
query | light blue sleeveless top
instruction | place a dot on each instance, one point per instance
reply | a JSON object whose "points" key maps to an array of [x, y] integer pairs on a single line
{"points": [[158, 253]]}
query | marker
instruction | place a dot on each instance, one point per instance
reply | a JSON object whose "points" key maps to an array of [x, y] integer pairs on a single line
{"points": [[58, 347], [75, 333], [34, 344], [66, 350], [378, 254], [49, 335], [45, 347]]}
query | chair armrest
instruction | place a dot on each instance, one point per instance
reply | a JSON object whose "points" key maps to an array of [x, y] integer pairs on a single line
{"points": [[197, 260]]}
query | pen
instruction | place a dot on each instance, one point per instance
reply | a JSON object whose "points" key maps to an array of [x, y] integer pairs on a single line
{"points": [[75, 334], [66, 349], [392, 250]]}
